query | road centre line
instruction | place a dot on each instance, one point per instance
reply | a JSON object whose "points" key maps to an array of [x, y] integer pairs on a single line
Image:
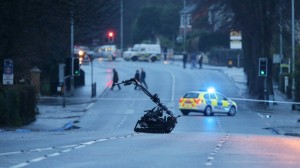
{"points": [[78, 146], [173, 85], [133, 100]]}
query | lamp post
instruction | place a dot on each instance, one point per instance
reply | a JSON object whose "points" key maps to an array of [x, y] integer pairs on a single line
{"points": [[72, 45], [121, 30], [93, 85], [184, 24]]}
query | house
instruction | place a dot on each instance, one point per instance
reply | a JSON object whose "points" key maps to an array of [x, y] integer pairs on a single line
{"points": [[186, 15]]}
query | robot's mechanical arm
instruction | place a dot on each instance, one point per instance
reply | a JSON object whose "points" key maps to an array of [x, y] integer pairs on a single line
{"points": [[153, 120]]}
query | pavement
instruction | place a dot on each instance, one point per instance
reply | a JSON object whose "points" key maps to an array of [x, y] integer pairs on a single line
{"points": [[57, 116]]}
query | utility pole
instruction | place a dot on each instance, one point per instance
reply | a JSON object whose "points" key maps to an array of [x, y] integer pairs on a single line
{"points": [[121, 33], [184, 28], [280, 37], [72, 45]]}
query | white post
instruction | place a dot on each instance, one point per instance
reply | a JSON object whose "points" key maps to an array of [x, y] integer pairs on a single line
{"points": [[286, 83]]}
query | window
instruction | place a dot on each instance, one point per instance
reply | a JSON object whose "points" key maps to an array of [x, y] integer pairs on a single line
{"points": [[212, 96], [191, 95], [221, 97]]}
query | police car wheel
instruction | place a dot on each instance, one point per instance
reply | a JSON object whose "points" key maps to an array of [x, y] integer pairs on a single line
{"points": [[208, 111], [134, 58], [232, 111], [184, 112], [153, 59]]}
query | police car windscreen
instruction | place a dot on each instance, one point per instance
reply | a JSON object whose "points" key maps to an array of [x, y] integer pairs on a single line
{"points": [[191, 95]]}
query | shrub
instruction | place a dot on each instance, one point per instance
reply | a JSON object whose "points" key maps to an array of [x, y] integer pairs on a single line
{"points": [[17, 105]]}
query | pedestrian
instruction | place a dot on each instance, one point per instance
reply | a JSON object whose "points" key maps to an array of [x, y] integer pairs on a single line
{"points": [[137, 77], [184, 59], [200, 60], [115, 79], [193, 60], [165, 53], [143, 77]]}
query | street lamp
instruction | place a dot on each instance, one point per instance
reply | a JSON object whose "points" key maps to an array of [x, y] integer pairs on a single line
{"points": [[185, 24], [72, 42], [121, 30]]}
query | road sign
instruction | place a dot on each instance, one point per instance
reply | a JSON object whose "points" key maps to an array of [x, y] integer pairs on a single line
{"points": [[8, 73], [8, 66], [8, 70], [8, 79], [8, 62]]}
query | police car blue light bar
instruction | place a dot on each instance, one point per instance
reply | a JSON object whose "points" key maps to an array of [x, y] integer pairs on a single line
{"points": [[211, 90]]}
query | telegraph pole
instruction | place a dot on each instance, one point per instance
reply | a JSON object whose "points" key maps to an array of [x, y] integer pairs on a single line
{"points": [[184, 28], [72, 46], [121, 31]]}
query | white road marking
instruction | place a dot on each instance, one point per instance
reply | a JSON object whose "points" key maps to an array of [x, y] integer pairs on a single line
{"points": [[37, 159], [10, 153], [53, 154], [173, 85], [71, 147], [129, 111], [90, 105]]}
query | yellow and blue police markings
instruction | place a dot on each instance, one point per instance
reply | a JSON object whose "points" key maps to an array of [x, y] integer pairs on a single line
{"points": [[217, 101]]}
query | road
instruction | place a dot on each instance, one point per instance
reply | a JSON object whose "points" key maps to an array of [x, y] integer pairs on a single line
{"points": [[105, 137]]}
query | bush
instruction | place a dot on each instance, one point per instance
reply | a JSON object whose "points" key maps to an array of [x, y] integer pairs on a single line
{"points": [[17, 105]]}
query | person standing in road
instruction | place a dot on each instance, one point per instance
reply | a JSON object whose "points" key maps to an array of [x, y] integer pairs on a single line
{"points": [[184, 59], [115, 79], [165, 53], [193, 60], [143, 77], [137, 77], [200, 60]]}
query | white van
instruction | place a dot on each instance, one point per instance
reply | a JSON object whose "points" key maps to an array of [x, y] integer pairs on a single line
{"points": [[143, 52], [106, 51]]}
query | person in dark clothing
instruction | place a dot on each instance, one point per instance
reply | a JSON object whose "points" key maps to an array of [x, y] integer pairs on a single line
{"points": [[143, 77], [165, 53], [184, 59], [115, 80], [193, 60], [137, 77], [200, 60]]}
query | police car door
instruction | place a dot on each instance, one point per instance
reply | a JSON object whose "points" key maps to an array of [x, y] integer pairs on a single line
{"points": [[214, 102], [222, 103]]}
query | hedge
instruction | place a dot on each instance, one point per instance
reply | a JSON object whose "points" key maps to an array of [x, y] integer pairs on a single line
{"points": [[17, 105]]}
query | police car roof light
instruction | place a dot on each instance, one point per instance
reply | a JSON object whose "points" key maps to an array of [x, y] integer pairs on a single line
{"points": [[211, 90]]}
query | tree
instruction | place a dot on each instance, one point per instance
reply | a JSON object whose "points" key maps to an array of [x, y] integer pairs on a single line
{"points": [[149, 19], [256, 20], [37, 33]]}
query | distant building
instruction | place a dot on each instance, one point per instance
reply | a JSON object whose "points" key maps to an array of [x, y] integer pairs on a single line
{"points": [[186, 15]]}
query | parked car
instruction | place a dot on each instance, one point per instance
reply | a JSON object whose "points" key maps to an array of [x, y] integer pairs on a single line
{"points": [[106, 51]]}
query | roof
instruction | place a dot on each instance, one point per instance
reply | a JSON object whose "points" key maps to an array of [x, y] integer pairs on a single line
{"points": [[188, 9]]}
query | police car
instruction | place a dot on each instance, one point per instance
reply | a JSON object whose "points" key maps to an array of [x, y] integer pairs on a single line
{"points": [[207, 102]]}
